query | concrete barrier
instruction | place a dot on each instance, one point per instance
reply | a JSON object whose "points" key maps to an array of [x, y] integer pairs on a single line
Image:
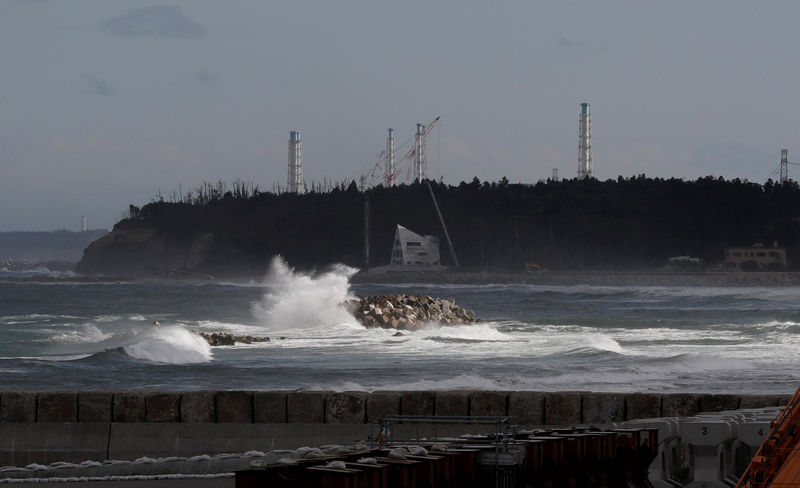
{"points": [[603, 408], [198, 407], [269, 407], [234, 406], [527, 407], [94, 406], [346, 408], [530, 407], [131, 441], [139, 423], [382, 404], [488, 403], [680, 405], [306, 407], [163, 407], [128, 407], [562, 408], [25, 443], [57, 407], [642, 406], [16, 406], [417, 402], [452, 403]]}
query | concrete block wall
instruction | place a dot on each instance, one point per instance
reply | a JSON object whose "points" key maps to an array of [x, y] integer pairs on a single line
{"points": [[49, 426], [321, 407]]}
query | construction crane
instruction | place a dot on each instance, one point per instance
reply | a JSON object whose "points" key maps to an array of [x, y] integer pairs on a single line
{"points": [[783, 168], [381, 169], [417, 152], [777, 462]]}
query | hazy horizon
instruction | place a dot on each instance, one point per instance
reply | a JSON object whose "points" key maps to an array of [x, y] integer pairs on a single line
{"points": [[108, 103]]}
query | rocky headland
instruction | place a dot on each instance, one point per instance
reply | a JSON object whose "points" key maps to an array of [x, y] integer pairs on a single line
{"points": [[407, 312]]}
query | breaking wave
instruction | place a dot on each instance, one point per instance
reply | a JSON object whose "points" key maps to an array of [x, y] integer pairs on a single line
{"points": [[172, 345], [295, 300]]}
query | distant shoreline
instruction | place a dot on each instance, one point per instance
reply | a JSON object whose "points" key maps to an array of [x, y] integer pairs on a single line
{"points": [[595, 278], [486, 277]]}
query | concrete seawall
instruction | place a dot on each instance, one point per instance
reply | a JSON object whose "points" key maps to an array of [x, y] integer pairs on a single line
{"points": [[48, 426]]}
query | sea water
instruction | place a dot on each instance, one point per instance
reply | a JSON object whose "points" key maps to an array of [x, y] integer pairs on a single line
{"points": [[67, 333]]}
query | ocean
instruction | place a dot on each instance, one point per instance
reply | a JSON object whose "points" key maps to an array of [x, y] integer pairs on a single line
{"points": [[58, 332]]}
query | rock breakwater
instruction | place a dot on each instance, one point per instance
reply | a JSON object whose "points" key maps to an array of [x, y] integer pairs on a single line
{"points": [[226, 339], [408, 312]]}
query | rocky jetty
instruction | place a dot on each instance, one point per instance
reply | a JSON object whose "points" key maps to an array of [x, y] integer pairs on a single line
{"points": [[226, 339], [407, 312]]}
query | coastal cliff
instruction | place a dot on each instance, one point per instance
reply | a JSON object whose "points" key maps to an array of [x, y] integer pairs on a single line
{"points": [[628, 223], [138, 248]]}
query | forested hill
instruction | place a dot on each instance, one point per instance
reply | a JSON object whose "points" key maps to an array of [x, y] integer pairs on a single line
{"points": [[570, 224]]}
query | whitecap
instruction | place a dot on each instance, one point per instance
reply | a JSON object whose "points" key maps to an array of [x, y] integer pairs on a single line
{"points": [[171, 345]]}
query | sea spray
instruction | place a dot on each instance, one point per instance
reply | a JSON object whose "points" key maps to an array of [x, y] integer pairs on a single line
{"points": [[296, 300], [169, 344]]}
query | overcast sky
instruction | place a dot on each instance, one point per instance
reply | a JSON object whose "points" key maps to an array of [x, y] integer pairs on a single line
{"points": [[105, 103]]}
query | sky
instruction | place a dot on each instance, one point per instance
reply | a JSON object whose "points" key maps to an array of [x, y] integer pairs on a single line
{"points": [[106, 103]]}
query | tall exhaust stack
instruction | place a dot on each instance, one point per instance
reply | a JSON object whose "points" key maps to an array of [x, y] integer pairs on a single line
{"points": [[83, 223], [294, 183], [419, 158], [784, 177], [585, 143], [390, 160]]}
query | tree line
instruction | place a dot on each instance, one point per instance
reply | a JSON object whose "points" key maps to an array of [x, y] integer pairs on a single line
{"points": [[568, 224]]}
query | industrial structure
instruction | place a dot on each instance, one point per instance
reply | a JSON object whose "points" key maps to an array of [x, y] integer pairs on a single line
{"points": [[585, 143], [413, 161], [294, 181], [411, 248], [83, 223], [419, 154], [391, 170], [784, 166], [758, 255]]}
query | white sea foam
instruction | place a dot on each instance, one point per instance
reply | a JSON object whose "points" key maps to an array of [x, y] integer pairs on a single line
{"points": [[604, 343], [295, 300], [169, 344], [472, 332], [87, 333], [107, 318]]}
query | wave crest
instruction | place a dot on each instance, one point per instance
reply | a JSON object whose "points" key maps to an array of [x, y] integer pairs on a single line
{"points": [[169, 345]]}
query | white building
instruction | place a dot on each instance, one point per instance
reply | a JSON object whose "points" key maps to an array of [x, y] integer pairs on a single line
{"points": [[413, 249]]}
